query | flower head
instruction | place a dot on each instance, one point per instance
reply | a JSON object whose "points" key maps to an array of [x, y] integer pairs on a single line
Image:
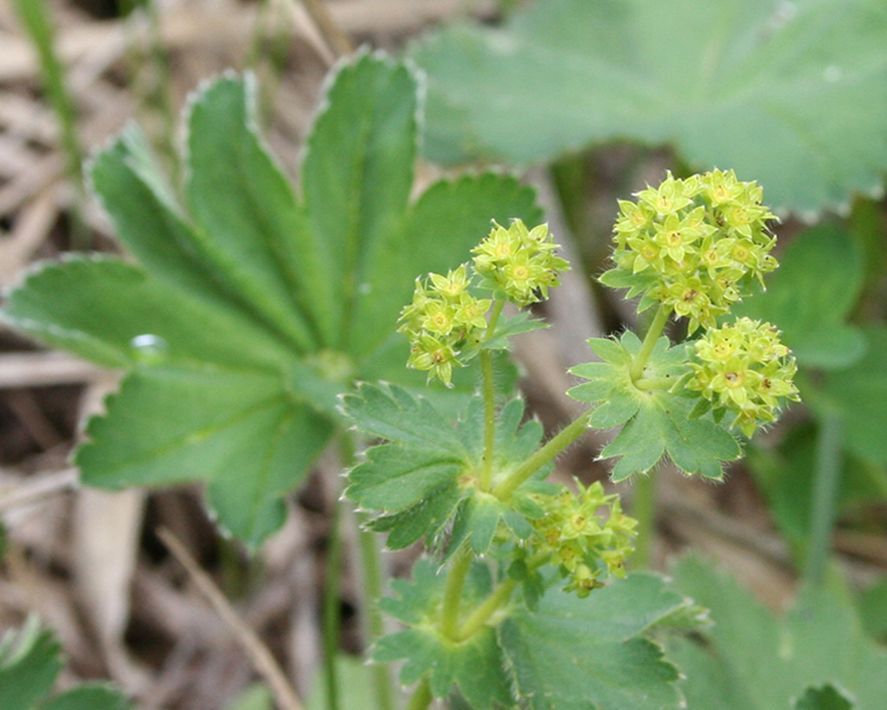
{"points": [[709, 230], [445, 321], [518, 262], [745, 369], [588, 535]]}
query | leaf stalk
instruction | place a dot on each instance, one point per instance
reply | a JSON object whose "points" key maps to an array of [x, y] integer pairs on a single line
{"points": [[547, 453], [656, 327], [449, 621]]}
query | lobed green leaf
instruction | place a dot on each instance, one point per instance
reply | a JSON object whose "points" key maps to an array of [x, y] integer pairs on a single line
{"points": [[576, 653], [30, 661], [251, 283], [792, 95], [466, 665], [236, 430]]}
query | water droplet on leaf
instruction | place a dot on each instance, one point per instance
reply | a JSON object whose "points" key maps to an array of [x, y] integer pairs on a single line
{"points": [[149, 349]]}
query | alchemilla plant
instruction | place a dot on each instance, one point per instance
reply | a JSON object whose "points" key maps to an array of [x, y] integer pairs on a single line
{"points": [[508, 622]]}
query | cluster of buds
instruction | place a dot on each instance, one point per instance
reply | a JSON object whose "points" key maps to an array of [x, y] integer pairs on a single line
{"points": [[695, 244], [518, 262], [445, 323], [744, 368], [588, 536]]}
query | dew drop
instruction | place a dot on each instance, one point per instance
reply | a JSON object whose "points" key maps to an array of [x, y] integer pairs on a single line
{"points": [[149, 349], [364, 288]]}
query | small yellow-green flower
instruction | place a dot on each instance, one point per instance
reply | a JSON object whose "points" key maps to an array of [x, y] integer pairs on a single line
{"points": [[433, 355]]}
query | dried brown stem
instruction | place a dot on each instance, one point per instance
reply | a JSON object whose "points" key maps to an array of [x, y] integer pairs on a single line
{"points": [[262, 659]]}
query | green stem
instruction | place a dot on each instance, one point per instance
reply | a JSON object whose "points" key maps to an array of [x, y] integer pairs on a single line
{"points": [[643, 504], [481, 615], [489, 393], [373, 587], [654, 383], [500, 595], [498, 305], [332, 607], [449, 620], [827, 474], [655, 330], [421, 698], [486, 368], [372, 591], [547, 453]]}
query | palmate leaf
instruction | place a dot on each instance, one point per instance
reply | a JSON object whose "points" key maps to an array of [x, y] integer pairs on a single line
{"points": [[656, 421], [253, 307], [423, 478], [792, 95], [473, 666], [753, 661], [568, 653], [575, 654], [30, 661]]}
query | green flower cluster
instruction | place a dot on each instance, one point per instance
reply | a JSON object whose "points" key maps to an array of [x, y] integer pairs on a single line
{"points": [[585, 544], [441, 320], [695, 244], [745, 369], [518, 262], [445, 323]]}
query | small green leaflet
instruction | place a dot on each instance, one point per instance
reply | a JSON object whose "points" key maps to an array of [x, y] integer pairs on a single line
{"points": [[793, 95], [657, 421], [474, 666], [422, 478], [751, 660], [575, 654], [30, 661], [252, 307]]}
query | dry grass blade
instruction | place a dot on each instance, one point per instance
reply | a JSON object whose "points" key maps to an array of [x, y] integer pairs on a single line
{"points": [[262, 660], [335, 37], [37, 488], [41, 369]]}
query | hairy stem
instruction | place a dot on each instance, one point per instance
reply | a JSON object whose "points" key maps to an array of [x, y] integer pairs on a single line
{"points": [[449, 620], [476, 620], [486, 368], [373, 588], [827, 473], [373, 580], [489, 394], [547, 453], [498, 305], [331, 607], [481, 615], [655, 330], [421, 697]]}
